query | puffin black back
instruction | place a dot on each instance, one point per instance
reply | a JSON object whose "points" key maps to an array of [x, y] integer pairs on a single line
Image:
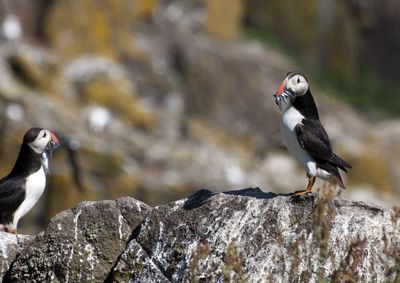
{"points": [[28, 162], [306, 105]]}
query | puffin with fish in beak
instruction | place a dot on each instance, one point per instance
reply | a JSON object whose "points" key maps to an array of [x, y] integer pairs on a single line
{"points": [[303, 133]]}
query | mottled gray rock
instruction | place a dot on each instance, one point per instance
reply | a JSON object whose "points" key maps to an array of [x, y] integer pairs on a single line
{"points": [[79, 244], [239, 236], [10, 245], [262, 237], [136, 265]]}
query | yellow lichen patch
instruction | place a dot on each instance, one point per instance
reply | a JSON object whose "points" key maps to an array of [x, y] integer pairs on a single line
{"points": [[143, 8], [224, 18], [32, 74], [116, 96], [102, 27], [369, 168]]}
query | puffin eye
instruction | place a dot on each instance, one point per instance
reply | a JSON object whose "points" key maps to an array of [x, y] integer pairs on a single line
{"points": [[44, 135], [298, 80]]}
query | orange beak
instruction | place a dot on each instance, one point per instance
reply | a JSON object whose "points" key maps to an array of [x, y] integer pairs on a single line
{"points": [[282, 94], [54, 137], [280, 88], [54, 141]]}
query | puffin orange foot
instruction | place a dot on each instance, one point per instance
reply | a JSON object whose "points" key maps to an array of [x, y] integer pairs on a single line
{"points": [[300, 193], [311, 181]]}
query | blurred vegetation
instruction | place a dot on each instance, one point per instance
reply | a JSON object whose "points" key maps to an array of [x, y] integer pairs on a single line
{"points": [[364, 90]]}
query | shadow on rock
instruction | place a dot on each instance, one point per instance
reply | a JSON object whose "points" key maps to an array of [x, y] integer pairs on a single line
{"points": [[203, 196]]}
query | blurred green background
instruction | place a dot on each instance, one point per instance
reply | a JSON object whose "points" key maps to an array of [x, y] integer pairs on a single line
{"points": [[161, 98]]}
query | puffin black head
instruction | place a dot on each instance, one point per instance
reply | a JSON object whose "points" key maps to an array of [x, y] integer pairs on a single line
{"points": [[295, 84], [41, 140]]}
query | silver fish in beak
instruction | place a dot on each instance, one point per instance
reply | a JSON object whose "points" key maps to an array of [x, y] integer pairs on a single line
{"points": [[284, 96]]}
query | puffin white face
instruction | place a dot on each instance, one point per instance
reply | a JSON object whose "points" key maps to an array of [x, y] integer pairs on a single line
{"points": [[294, 85], [41, 140], [40, 143], [298, 84]]}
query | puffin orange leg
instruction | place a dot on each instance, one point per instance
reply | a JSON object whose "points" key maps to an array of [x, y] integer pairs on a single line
{"points": [[311, 181]]}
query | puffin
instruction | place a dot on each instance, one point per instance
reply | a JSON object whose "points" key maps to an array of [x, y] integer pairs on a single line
{"points": [[23, 186], [303, 134]]}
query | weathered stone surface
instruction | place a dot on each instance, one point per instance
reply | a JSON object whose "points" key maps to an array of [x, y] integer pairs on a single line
{"points": [[10, 245], [136, 265], [256, 237], [80, 244], [243, 236]]}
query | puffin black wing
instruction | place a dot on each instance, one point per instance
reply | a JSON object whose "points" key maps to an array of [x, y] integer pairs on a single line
{"points": [[12, 194], [313, 138]]}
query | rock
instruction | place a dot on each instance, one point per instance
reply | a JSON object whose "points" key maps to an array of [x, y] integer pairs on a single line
{"points": [[79, 244], [235, 236], [10, 245], [252, 236], [137, 265]]}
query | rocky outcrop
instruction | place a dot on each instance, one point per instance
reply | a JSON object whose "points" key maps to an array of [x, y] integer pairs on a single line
{"points": [[79, 244], [10, 245], [245, 235], [253, 236]]}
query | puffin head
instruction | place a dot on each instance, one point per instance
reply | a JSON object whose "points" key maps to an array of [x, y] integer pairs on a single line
{"points": [[41, 140], [294, 85]]}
